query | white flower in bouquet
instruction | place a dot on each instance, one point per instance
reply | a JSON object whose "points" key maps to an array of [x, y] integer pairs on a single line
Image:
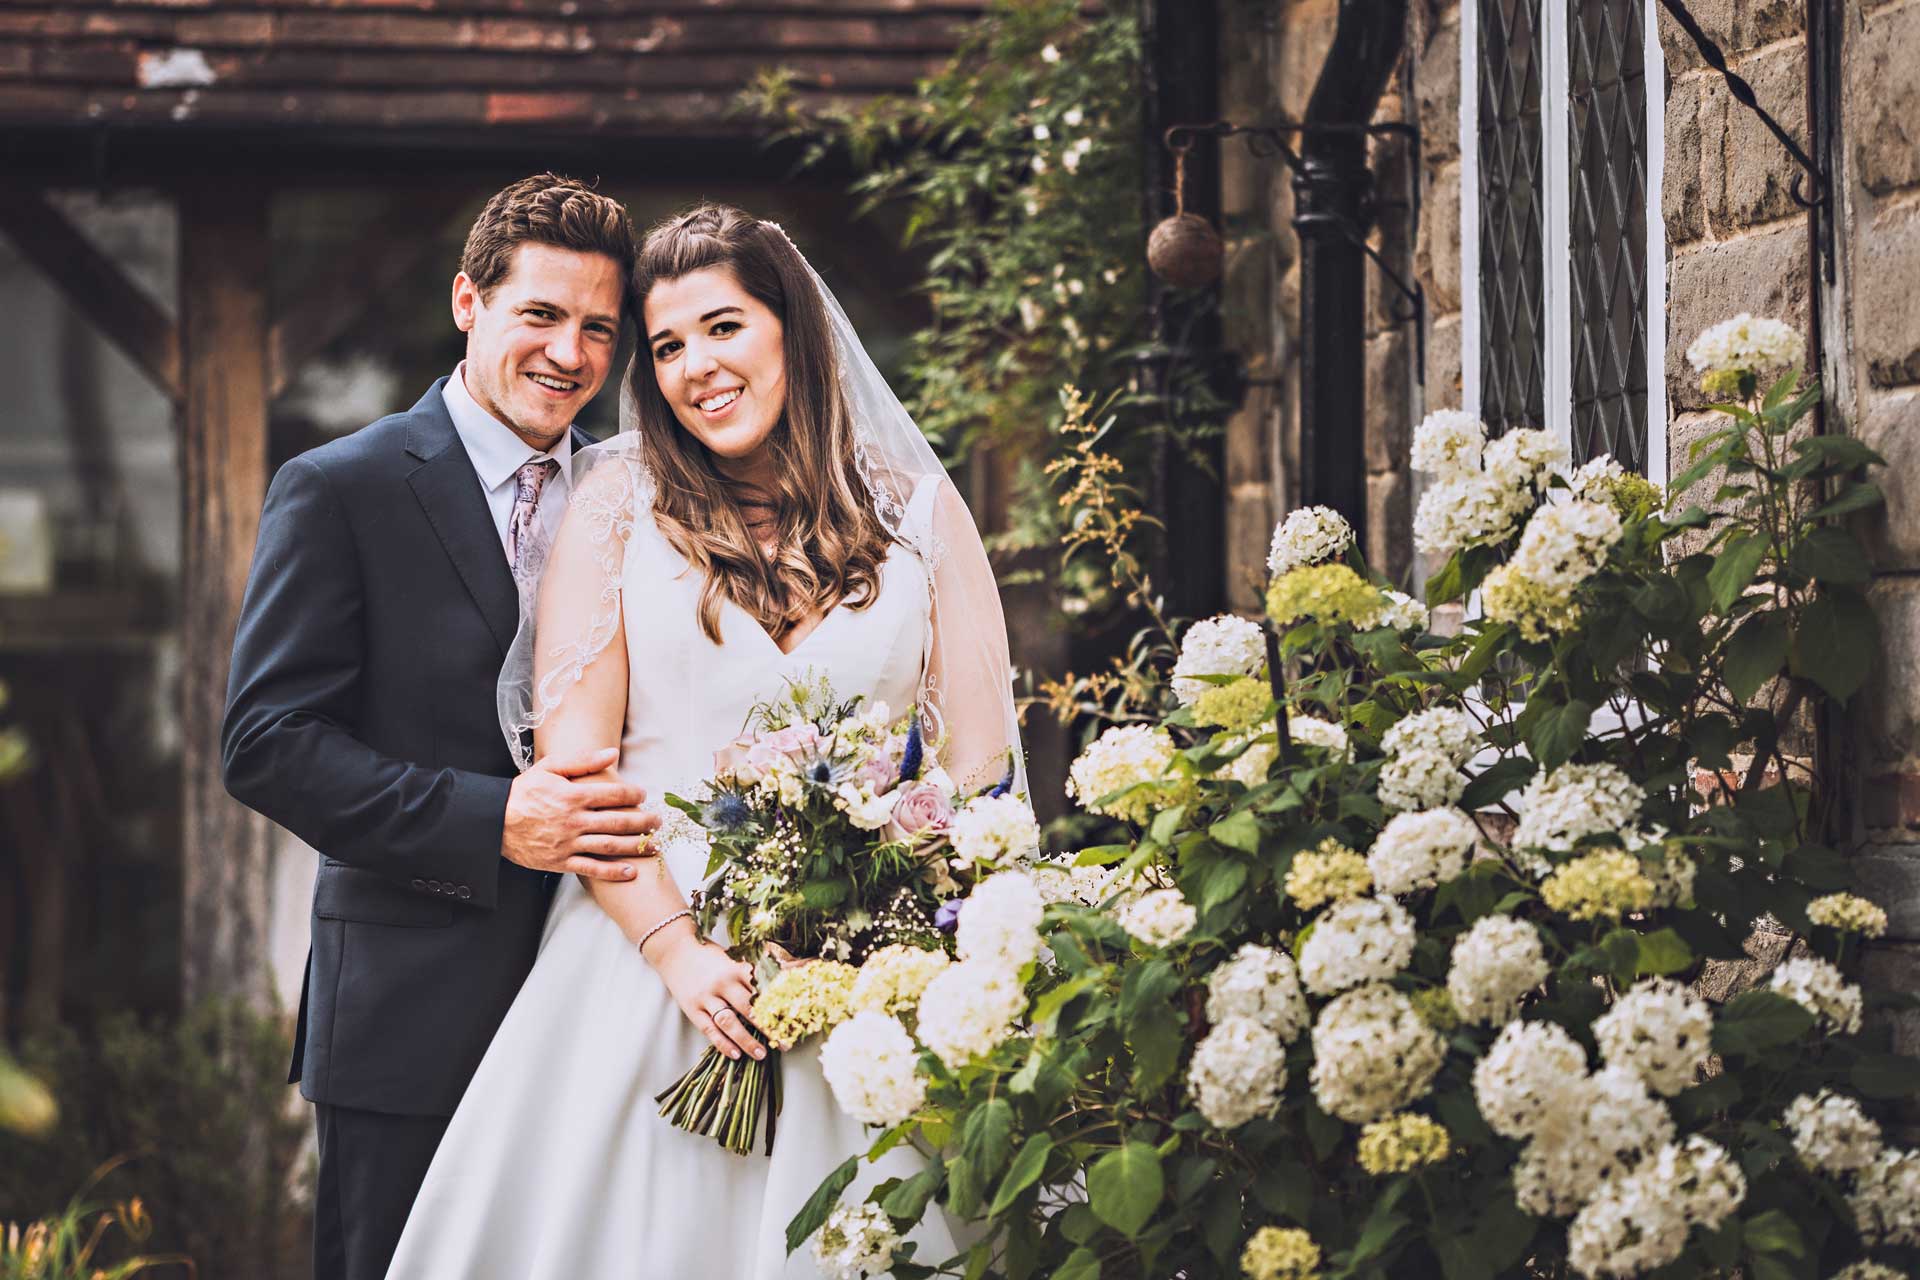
{"points": [[871, 1064], [1661, 1030], [1524, 458], [1262, 984], [1372, 1054], [1402, 612], [1464, 509], [1559, 809], [1495, 963], [1831, 1133], [1532, 1071], [1221, 646], [1421, 850], [864, 809], [1308, 535], [1626, 1124], [1848, 913], [856, 1241], [1122, 757], [1158, 917], [1421, 778], [1237, 1072], [1628, 1228], [1565, 543], [968, 1010], [1821, 990], [1359, 940], [893, 978], [1448, 441], [1447, 730], [1886, 1199], [992, 830], [1747, 344], [1000, 922]]}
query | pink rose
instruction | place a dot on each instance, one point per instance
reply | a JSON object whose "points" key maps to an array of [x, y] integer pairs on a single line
{"points": [[769, 749], [923, 806]]}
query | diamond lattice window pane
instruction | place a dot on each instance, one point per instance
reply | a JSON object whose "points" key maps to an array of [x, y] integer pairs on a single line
{"points": [[1513, 340]]}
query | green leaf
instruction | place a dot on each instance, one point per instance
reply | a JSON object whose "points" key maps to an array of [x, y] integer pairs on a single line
{"points": [[1047, 1008], [1840, 451], [987, 1137], [1557, 732], [1286, 1189], [1774, 1232], [1885, 1075], [1495, 781], [1124, 1187], [1734, 568], [1166, 823], [1756, 653], [1082, 1264], [1239, 830], [1220, 883], [1759, 1020], [1102, 855], [1830, 554], [822, 894], [814, 1212], [1156, 1041], [1663, 952], [908, 1201], [1445, 585], [1025, 1170], [1622, 950], [1858, 497], [1835, 643]]}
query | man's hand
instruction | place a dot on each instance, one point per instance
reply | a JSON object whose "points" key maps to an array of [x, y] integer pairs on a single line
{"points": [[556, 821]]}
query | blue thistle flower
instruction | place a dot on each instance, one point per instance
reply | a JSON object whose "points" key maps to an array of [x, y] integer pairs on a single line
{"points": [[727, 811], [911, 757]]}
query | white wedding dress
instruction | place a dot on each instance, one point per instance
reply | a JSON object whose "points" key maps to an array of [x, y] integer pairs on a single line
{"points": [[558, 1165]]}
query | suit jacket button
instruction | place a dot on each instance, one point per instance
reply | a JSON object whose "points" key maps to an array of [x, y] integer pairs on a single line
{"points": [[419, 884], [434, 885], [465, 892]]}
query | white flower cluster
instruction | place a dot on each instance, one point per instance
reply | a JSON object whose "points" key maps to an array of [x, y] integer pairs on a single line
{"points": [[1261, 984], [1307, 536], [1159, 917], [1402, 612], [856, 1241], [1528, 1074], [1868, 1270], [1421, 850], [1372, 1054], [1660, 1029], [1237, 1072], [1480, 490], [1525, 457], [1495, 963], [1000, 923], [1445, 730], [1747, 344], [1559, 809], [1447, 442], [1821, 990], [1886, 1199], [1420, 779], [969, 1009], [1608, 1127], [993, 831], [1640, 1222], [1355, 941], [1312, 731], [1566, 543], [1831, 1134], [1062, 881], [869, 1062], [1591, 481], [1119, 758], [1463, 509], [1221, 646]]}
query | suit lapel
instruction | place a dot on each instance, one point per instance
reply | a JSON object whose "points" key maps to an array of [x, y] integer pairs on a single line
{"points": [[449, 491]]}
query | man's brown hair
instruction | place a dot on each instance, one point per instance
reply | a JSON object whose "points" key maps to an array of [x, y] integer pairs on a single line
{"points": [[547, 209]]}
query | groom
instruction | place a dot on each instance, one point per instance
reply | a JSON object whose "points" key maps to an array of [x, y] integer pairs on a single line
{"points": [[360, 710]]}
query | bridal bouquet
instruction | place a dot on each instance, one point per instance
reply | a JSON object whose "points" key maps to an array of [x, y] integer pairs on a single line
{"points": [[838, 843]]}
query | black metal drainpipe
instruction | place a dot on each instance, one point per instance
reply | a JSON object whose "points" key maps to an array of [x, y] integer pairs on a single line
{"points": [[1332, 192]]}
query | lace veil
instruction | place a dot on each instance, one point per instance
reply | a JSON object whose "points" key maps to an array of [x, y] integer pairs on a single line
{"points": [[570, 606]]}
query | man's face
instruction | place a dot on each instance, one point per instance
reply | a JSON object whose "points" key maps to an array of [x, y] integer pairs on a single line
{"points": [[540, 348]]}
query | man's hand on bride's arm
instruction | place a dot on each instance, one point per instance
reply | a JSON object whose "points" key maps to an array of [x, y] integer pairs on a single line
{"points": [[713, 989], [560, 817]]}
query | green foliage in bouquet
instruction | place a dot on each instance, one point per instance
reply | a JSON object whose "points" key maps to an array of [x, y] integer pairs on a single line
{"points": [[1396, 972]]}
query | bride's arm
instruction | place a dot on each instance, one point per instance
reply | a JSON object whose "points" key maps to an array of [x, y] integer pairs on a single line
{"points": [[969, 664]]}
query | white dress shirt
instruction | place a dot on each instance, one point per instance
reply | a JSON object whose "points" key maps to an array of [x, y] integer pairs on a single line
{"points": [[498, 454]]}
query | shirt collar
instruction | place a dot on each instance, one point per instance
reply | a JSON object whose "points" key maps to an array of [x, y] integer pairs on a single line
{"points": [[497, 453]]}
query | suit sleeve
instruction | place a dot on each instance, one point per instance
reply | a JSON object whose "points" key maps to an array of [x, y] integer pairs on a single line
{"points": [[288, 744]]}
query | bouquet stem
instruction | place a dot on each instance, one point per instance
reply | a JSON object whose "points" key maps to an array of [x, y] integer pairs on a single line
{"points": [[726, 1098]]}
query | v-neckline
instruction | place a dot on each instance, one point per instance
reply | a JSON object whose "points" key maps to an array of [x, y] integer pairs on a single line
{"points": [[761, 631]]}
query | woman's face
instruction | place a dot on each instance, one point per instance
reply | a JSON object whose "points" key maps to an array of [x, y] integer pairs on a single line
{"points": [[719, 359]]}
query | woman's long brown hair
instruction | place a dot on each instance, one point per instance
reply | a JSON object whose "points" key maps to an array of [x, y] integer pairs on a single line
{"points": [[829, 540]]}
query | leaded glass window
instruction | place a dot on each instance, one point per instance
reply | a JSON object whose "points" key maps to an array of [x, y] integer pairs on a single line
{"points": [[1513, 346]]}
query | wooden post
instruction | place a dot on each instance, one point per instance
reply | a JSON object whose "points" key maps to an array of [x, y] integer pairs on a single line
{"points": [[226, 848]]}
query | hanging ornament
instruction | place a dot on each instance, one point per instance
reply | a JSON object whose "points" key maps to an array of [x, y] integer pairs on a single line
{"points": [[1185, 250]]}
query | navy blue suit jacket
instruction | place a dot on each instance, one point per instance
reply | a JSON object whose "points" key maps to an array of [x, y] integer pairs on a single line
{"points": [[360, 717]]}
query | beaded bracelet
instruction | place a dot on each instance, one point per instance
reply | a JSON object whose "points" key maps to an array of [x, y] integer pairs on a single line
{"points": [[680, 914]]}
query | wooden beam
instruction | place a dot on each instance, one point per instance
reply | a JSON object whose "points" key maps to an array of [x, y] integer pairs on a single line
{"points": [[226, 848], [376, 264], [95, 285]]}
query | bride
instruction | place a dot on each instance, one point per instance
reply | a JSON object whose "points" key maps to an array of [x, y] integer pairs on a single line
{"points": [[767, 513]]}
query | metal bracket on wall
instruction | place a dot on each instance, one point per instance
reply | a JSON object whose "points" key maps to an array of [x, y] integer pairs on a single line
{"points": [[1270, 141]]}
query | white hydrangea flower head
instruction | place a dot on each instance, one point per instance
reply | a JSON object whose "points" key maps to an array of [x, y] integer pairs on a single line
{"points": [[1237, 1072], [1747, 344], [1591, 480], [1119, 758], [1000, 922], [990, 831], [1465, 509], [1312, 731], [1821, 990], [1849, 913], [1448, 442], [1565, 543], [1159, 917], [1559, 1170], [1700, 1179], [893, 979], [870, 1063], [856, 1241], [1524, 458], [1060, 880], [1421, 850], [968, 1010], [1659, 1029], [1373, 1054], [1626, 1124], [1222, 646], [1446, 730], [1559, 809], [1421, 778], [1866, 1269], [1309, 535], [1886, 1199], [1356, 941], [1495, 964], [1262, 984], [1533, 1070], [1627, 1229], [1831, 1133], [1402, 612], [1250, 767]]}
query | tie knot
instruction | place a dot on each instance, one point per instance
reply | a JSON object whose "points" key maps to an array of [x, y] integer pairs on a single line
{"points": [[532, 477]]}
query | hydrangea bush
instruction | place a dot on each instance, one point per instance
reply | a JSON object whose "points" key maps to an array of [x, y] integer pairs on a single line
{"points": [[1415, 992]]}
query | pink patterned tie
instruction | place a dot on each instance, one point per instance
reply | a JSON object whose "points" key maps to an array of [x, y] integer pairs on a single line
{"points": [[523, 526]]}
